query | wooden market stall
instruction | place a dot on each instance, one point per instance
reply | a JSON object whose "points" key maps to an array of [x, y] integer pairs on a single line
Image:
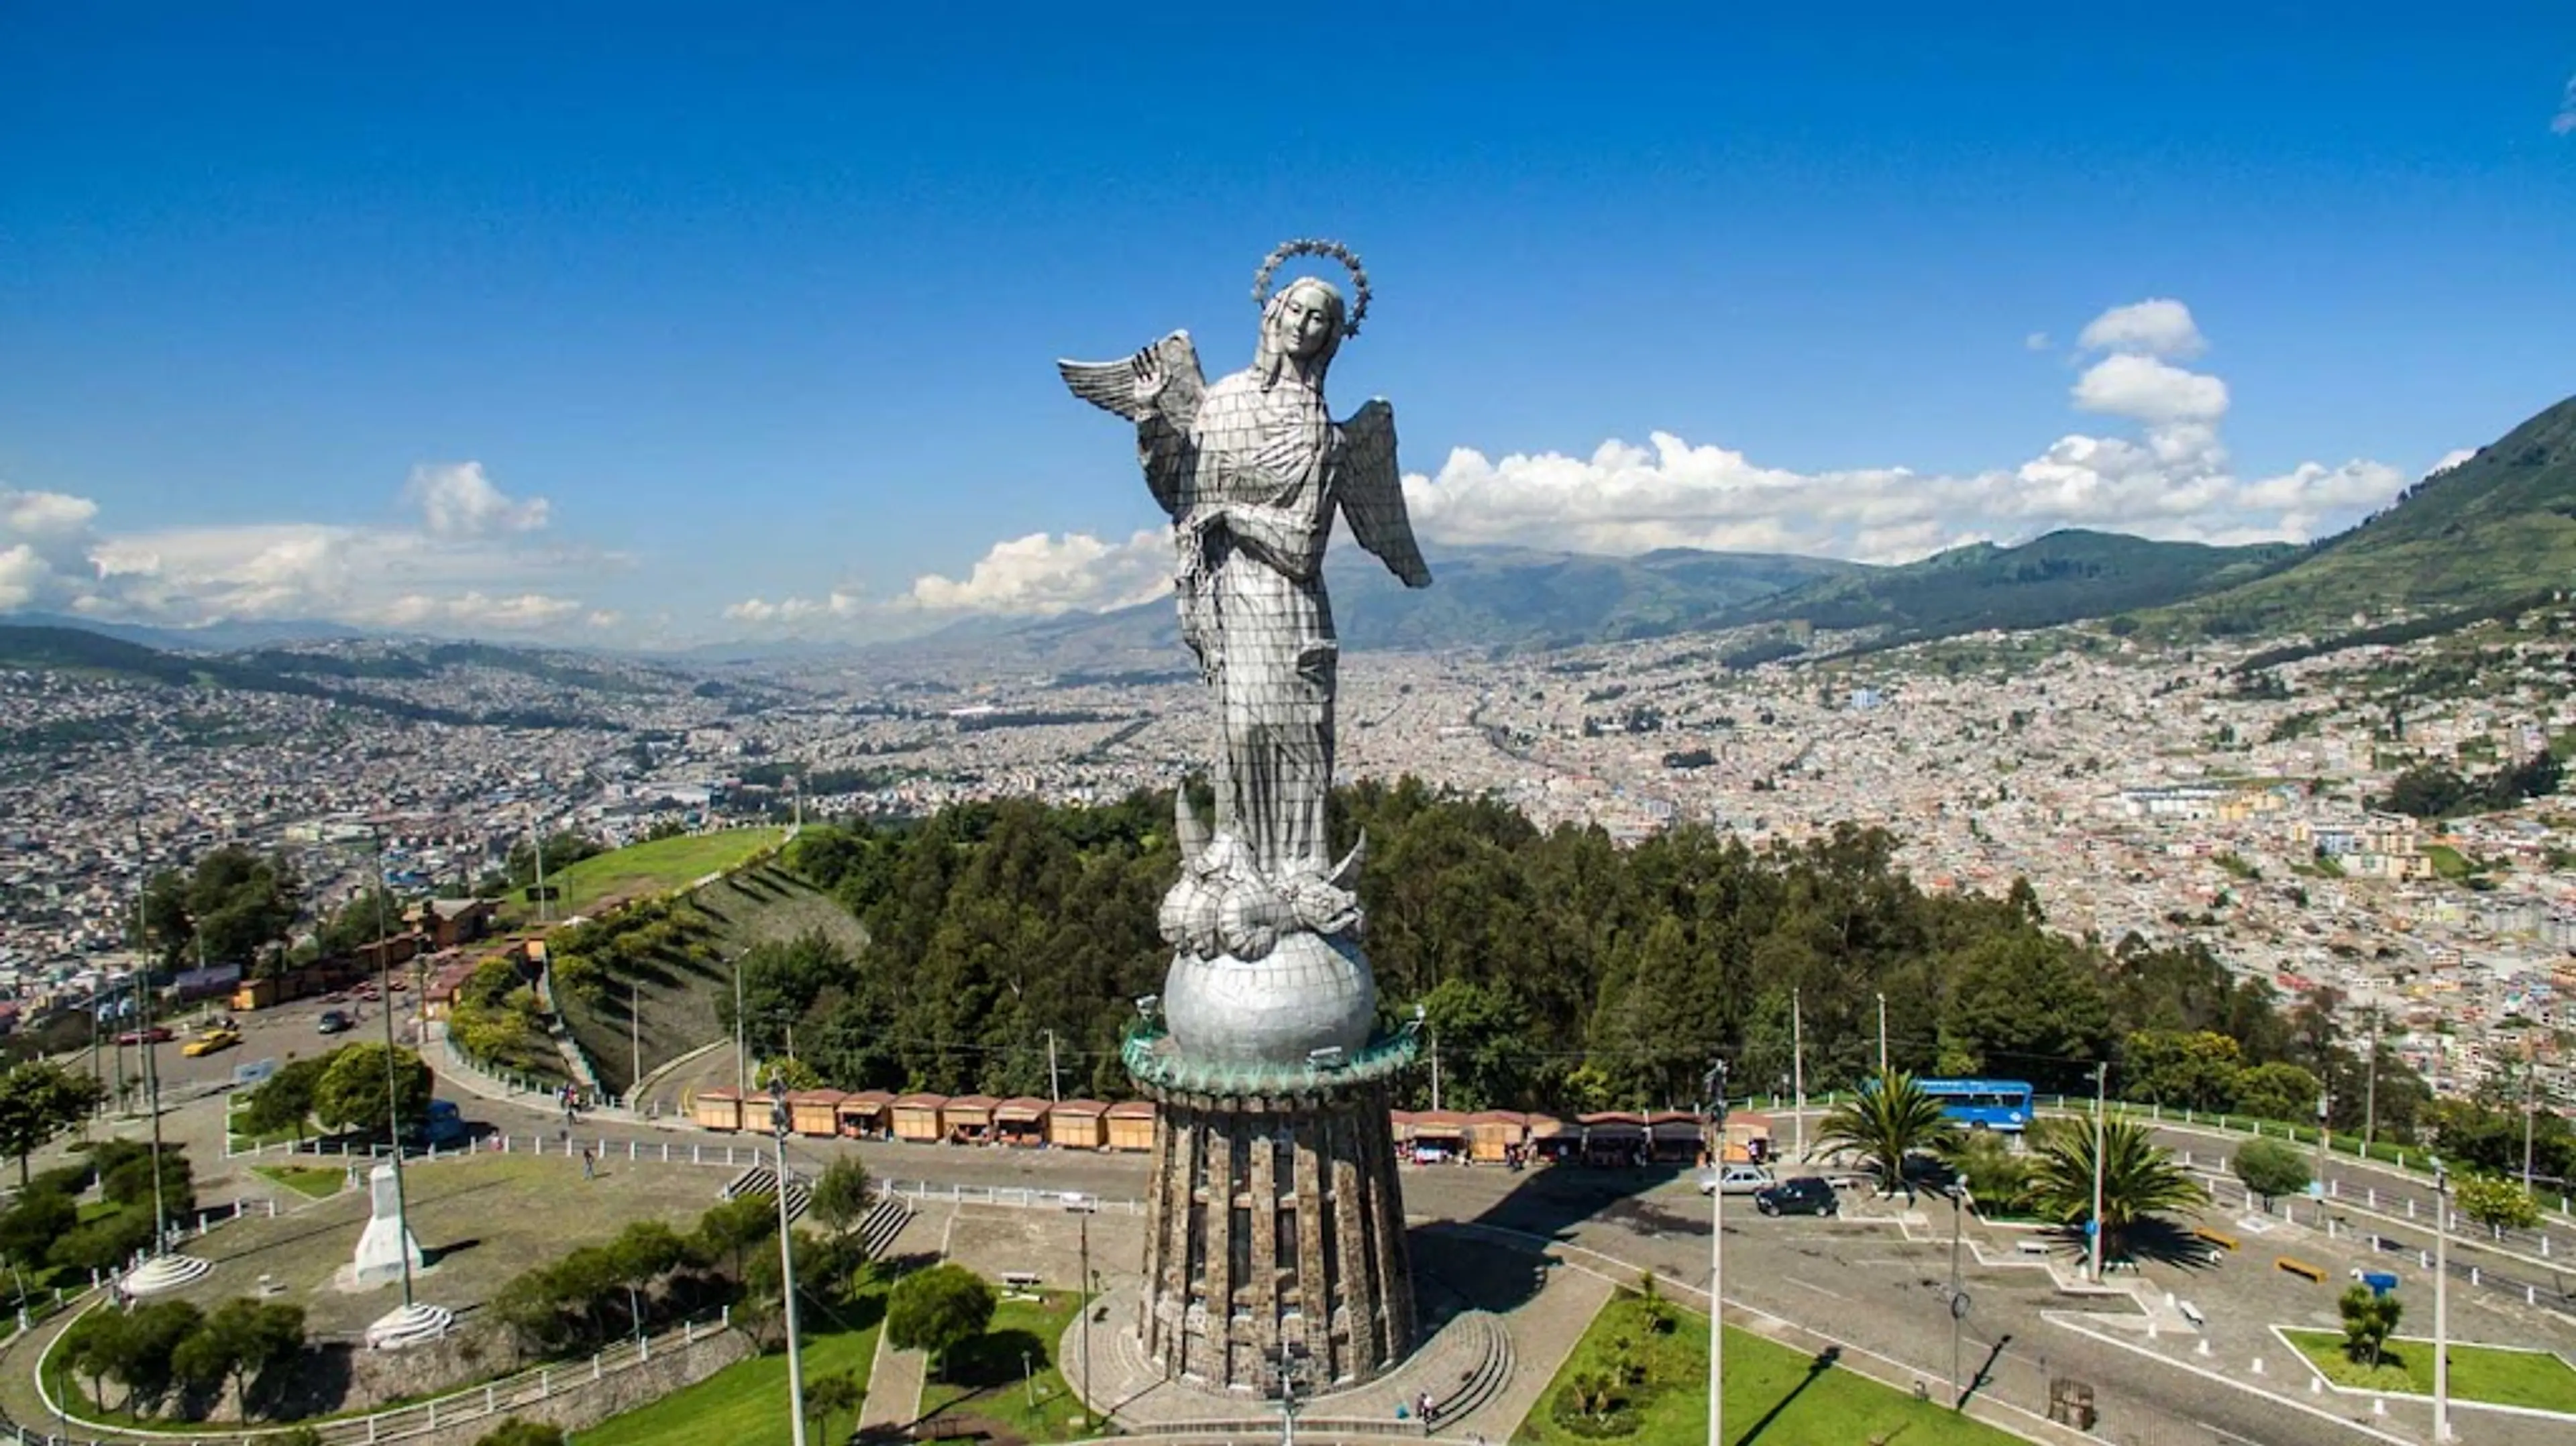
{"points": [[1131, 1125], [864, 1116], [1554, 1140], [716, 1109], [814, 1112], [1676, 1137], [1438, 1135], [1613, 1137], [968, 1119], [916, 1117], [1748, 1137], [1492, 1135], [1020, 1120], [1078, 1125]]}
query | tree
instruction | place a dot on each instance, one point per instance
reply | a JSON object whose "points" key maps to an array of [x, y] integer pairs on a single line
{"points": [[938, 1309], [518, 1431], [2495, 1202], [2369, 1319], [230, 909], [143, 1360], [2197, 1070], [2139, 1177], [1889, 1119], [2278, 1091], [131, 1183], [840, 1199], [2271, 1168], [29, 1229], [728, 1231], [1986, 1163], [38, 1101], [239, 1344], [284, 1101], [351, 1093], [831, 1395]]}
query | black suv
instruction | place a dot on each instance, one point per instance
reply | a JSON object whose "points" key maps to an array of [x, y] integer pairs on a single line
{"points": [[1806, 1195]]}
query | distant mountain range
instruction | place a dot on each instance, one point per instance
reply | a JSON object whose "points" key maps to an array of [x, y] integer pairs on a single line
{"points": [[2498, 527]]}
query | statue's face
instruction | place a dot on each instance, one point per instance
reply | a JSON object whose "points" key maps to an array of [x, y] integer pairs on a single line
{"points": [[1306, 320]]}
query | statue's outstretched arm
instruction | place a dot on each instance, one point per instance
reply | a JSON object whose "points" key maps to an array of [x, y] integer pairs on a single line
{"points": [[1158, 389], [1281, 538]]}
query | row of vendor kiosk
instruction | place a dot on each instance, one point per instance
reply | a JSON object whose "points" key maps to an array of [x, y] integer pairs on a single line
{"points": [[1495, 1136]]}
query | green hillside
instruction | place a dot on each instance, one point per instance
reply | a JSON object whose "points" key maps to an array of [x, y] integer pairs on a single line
{"points": [[638, 870], [2058, 578], [2499, 526], [675, 990]]}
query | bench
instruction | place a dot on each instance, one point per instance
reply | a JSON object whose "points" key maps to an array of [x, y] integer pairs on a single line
{"points": [[2223, 1242], [2294, 1266], [2191, 1313], [1020, 1284], [2032, 1247]]}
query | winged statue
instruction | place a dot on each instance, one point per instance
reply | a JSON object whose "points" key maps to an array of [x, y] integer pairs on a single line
{"points": [[1253, 472]]}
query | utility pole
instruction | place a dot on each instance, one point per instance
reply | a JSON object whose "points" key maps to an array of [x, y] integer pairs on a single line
{"points": [[2319, 1171], [2370, 1087], [152, 1104], [1435, 1065], [779, 1120], [1081, 1207], [741, 1060], [634, 1040], [545, 903], [1055, 1088], [2441, 1304], [2101, 1081], [1798, 1075], [1717, 1255], [1882, 1034], [2530, 1107], [1958, 1193]]}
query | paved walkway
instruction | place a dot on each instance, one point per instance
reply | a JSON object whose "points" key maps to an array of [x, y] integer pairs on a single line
{"points": [[895, 1380]]}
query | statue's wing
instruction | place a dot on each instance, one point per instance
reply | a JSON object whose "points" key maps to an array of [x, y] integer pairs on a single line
{"points": [[1372, 493], [1111, 386], [1163, 429]]}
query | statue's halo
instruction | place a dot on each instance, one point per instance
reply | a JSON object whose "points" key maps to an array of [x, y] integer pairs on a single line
{"points": [[1333, 250]]}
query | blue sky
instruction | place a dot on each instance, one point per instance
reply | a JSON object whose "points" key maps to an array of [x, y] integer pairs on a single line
{"points": [[632, 325]]}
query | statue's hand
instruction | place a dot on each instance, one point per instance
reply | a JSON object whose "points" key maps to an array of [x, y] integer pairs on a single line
{"points": [[1151, 378]]}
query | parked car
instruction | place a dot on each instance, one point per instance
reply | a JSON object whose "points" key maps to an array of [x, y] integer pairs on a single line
{"points": [[157, 1034], [219, 1038], [1734, 1179], [332, 1021], [1805, 1195]]}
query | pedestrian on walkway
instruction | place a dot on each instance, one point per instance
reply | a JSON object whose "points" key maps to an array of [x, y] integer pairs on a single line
{"points": [[588, 1170]]}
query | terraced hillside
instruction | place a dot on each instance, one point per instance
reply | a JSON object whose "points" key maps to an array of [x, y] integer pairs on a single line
{"points": [[675, 989]]}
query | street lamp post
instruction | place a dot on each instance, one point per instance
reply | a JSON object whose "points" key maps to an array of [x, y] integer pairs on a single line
{"points": [[2101, 1081], [1716, 1082], [1882, 1034], [1082, 1207], [1292, 1359], [741, 1060], [779, 1121], [1958, 1194], [2441, 1304]]}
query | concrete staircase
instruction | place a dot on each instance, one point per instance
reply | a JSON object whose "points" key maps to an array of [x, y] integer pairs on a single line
{"points": [[885, 1220], [762, 1180]]}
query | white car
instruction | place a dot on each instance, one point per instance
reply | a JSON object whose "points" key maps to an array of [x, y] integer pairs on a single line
{"points": [[1735, 1179]]}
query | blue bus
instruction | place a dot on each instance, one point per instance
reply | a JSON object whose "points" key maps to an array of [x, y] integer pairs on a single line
{"points": [[1982, 1104]]}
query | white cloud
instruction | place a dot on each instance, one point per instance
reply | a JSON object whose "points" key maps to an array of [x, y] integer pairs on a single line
{"points": [[2564, 123], [468, 567], [1042, 574], [457, 500], [2158, 326], [2173, 480], [2036, 341], [835, 604], [2144, 389]]}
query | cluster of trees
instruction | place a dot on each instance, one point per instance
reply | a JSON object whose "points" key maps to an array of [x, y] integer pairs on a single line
{"points": [[1558, 969], [498, 1022], [519, 868], [616, 945], [40, 1099], [2430, 790], [169, 1354], [43, 1229], [650, 1273], [345, 1089], [237, 906]]}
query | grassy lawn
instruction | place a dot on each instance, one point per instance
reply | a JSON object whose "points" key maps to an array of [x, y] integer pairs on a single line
{"points": [[2478, 1373], [982, 1380], [645, 868], [1791, 1399], [2448, 862], [745, 1404], [305, 1180]]}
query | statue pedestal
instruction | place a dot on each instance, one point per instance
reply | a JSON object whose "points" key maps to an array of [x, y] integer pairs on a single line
{"points": [[1273, 1215], [387, 1243]]}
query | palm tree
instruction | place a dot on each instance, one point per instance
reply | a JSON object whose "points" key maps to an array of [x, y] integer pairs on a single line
{"points": [[2139, 1177], [1889, 1119]]}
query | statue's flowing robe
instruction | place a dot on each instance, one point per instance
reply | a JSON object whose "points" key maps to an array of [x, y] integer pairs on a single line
{"points": [[1252, 601]]}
